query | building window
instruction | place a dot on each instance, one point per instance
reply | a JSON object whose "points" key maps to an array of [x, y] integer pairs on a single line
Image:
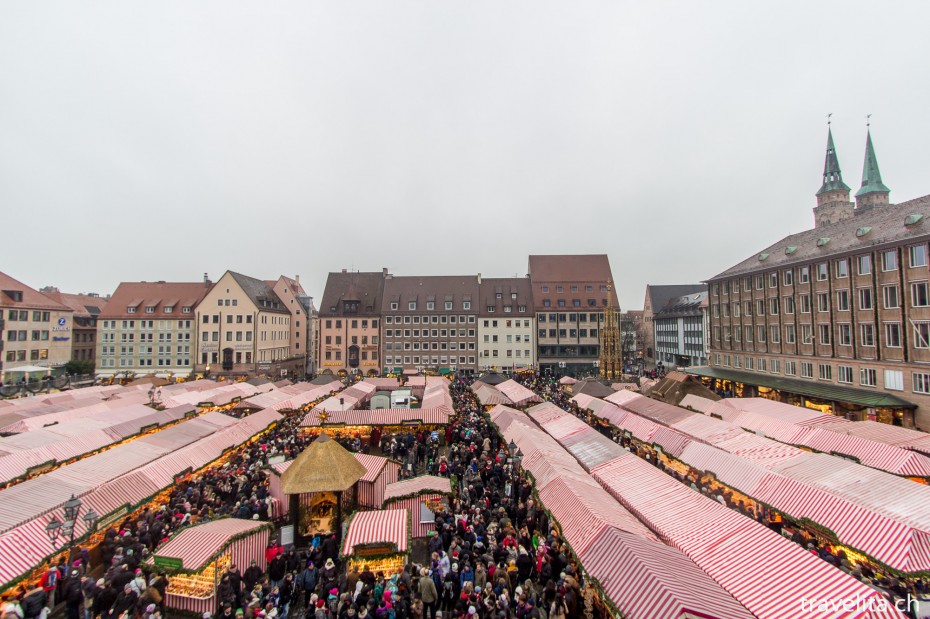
{"points": [[807, 369], [775, 334], [823, 302], [842, 300], [750, 363], [788, 277], [889, 260], [788, 305], [825, 371], [867, 377], [791, 368], [890, 297], [893, 334], [804, 274], [867, 334], [844, 374], [921, 382], [894, 379], [864, 264], [842, 268], [920, 296], [773, 280], [790, 334], [825, 334], [760, 308], [917, 255], [805, 301], [921, 333], [865, 298], [844, 334], [773, 307], [760, 334], [822, 271], [748, 333]]}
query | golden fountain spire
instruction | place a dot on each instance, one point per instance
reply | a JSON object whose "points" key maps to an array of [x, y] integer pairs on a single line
{"points": [[611, 354]]}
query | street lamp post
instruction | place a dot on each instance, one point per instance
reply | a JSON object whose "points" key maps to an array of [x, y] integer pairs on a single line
{"points": [[55, 529]]}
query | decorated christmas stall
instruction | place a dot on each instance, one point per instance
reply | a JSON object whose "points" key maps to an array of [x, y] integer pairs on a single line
{"points": [[369, 488], [422, 497], [198, 556], [377, 541]]}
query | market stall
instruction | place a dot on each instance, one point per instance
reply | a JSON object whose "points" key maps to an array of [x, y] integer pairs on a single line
{"points": [[379, 472], [320, 486], [422, 497], [197, 557], [377, 541]]}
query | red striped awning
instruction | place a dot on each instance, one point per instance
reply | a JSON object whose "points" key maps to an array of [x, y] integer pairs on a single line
{"points": [[423, 484], [194, 546], [378, 417], [387, 526], [517, 393]]}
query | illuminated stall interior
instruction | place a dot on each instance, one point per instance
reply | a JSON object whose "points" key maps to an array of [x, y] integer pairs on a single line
{"points": [[321, 485]]}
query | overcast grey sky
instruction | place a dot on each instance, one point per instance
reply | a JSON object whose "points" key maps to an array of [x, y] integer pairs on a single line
{"points": [[160, 140]]}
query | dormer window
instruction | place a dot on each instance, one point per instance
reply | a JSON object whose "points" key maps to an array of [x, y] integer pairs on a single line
{"points": [[513, 295], [394, 306], [186, 309], [350, 307], [149, 309], [412, 305], [130, 310], [466, 305], [498, 295], [430, 305], [448, 305], [169, 309], [15, 295]]}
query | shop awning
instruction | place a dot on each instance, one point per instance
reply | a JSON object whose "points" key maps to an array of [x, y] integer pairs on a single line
{"points": [[823, 391], [191, 549], [387, 527], [444, 371]]}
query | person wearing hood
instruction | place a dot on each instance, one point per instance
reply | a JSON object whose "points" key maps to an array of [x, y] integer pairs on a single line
{"points": [[125, 601], [328, 575]]}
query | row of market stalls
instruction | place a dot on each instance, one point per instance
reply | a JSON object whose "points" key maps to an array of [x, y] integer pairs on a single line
{"points": [[634, 573], [737, 552], [871, 515], [897, 450], [113, 483]]}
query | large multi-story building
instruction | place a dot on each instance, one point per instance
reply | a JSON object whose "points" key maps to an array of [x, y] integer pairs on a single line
{"points": [[837, 317], [430, 323], [245, 328], [570, 295], [680, 330], [87, 308], [350, 323], [149, 328], [35, 330], [657, 297], [506, 324]]}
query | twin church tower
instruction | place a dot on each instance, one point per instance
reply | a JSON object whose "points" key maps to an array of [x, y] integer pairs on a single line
{"points": [[833, 202]]}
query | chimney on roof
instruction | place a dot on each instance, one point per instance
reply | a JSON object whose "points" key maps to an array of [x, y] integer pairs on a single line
{"points": [[343, 270], [479, 278], [297, 278], [206, 280]]}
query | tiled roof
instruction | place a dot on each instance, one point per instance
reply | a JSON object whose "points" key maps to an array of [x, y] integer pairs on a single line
{"points": [[437, 288], [31, 298], [686, 304], [660, 295], [881, 225], [506, 287], [366, 288], [154, 294], [260, 293], [547, 273], [82, 304]]}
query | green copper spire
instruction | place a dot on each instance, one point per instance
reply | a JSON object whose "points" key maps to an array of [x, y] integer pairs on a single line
{"points": [[832, 178], [871, 177]]}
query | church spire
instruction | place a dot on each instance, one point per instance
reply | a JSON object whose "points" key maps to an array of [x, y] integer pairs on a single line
{"points": [[873, 192], [832, 177]]}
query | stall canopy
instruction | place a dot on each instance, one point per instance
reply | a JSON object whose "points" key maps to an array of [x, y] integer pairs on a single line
{"points": [[882, 515], [422, 484], [489, 396], [193, 548], [324, 466], [387, 526], [613, 547], [378, 417], [715, 537], [517, 393], [567, 380]]}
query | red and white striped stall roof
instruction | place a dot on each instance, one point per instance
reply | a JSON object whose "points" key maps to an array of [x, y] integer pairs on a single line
{"points": [[517, 393], [422, 484], [717, 538], [387, 526], [646, 579], [625, 560], [378, 417], [195, 545], [489, 396], [373, 466]]}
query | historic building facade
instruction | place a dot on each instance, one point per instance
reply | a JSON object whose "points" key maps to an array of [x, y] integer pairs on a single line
{"points": [[570, 295], [506, 324], [680, 330], [149, 328], [836, 317], [349, 333], [35, 330]]}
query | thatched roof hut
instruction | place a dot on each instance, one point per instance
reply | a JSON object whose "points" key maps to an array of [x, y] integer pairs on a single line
{"points": [[324, 466]]}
